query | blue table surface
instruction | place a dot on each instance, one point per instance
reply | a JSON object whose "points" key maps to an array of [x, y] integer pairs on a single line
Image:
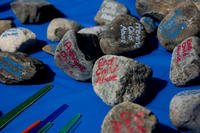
{"points": [[80, 95]]}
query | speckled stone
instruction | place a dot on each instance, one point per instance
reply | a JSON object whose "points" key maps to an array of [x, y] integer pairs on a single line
{"points": [[124, 34], [128, 117], [178, 25], [185, 111], [185, 63], [116, 79], [109, 10], [76, 53], [148, 24], [17, 39], [49, 49], [5, 25], [58, 27], [18, 67]]}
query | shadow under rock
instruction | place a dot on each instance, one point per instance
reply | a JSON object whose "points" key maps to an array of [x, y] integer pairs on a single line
{"points": [[1, 114], [37, 46], [8, 18], [166, 129], [4, 7]]}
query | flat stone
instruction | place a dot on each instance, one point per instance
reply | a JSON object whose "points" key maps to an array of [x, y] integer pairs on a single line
{"points": [[4, 25], [128, 117], [109, 10], [124, 34], [148, 24], [185, 111], [185, 63], [58, 27], [34, 11], [95, 30], [178, 25], [17, 39], [18, 67], [49, 49], [116, 79], [76, 53]]}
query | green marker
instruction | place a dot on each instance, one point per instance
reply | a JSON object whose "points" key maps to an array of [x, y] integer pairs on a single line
{"points": [[70, 124], [45, 128], [21, 107]]}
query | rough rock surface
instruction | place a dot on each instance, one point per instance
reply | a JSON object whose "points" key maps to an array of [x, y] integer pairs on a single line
{"points": [[5, 25]]}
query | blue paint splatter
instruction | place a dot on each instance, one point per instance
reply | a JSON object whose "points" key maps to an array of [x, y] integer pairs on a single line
{"points": [[189, 92]]}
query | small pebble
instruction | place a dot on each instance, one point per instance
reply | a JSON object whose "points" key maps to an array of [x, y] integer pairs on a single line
{"points": [[148, 24], [49, 49], [5, 25]]}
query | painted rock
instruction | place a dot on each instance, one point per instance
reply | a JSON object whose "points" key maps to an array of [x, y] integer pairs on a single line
{"points": [[5, 25], [185, 63], [148, 24], [124, 34], [34, 11], [109, 10], [49, 49], [17, 39], [95, 30], [59, 26], [76, 53], [185, 111], [178, 25], [157, 9], [116, 79], [128, 117], [18, 67]]}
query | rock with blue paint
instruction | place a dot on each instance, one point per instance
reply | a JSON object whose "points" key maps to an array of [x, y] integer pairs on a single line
{"points": [[50, 49], [178, 25], [129, 117], [185, 63], [109, 10], [124, 34], [5, 25], [185, 111], [58, 27], [18, 67], [17, 39], [148, 24]]}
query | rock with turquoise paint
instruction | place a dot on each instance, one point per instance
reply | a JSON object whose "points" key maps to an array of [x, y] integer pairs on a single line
{"points": [[185, 111], [178, 25], [124, 34], [185, 63], [18, 67], [58, 27], [5, 25], [76, 53], [109, 10], [148, 24], [49, 49], [129, 117], [17, 39], [116, 79]]}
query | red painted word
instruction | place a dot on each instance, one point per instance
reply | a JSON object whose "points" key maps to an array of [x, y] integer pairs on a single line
{"points": [[185, 47], [125, 120], [106, 67], [70, 58]]}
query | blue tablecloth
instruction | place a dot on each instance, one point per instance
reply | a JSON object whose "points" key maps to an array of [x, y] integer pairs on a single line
{"points": [[79, 95]]}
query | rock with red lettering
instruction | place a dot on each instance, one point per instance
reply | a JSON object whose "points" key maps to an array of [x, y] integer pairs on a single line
{"points": [[116, 79], [129, 117], [148, 24], [124, 34], [185, 111], [4, 25], [156, 8], [96, 30], [178, 25], [109, 10], [185, 63], [76, 53], [59, 26], [18, 67], [17, 39]]}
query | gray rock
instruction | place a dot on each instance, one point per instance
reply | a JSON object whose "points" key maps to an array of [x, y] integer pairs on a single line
{"points": [[116, 79], [34, 11], [148, 24], [5, 25], [185, 63], [109, 10], [179, 24], [124, 34], [128, 117], [76, 53], [18, 67], [185, 111], [17, 39], [58, 27]]}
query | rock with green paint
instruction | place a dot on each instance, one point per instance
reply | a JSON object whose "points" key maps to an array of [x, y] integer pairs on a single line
{"points": [[116, 79], [129, 117]]}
